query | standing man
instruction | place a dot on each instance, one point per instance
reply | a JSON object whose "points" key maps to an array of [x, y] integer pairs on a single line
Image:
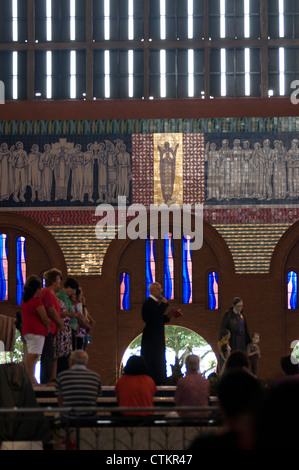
{"points": [[153, 338]]}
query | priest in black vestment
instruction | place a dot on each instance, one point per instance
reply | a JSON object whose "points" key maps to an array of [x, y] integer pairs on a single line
{"points": [[153, 338]]}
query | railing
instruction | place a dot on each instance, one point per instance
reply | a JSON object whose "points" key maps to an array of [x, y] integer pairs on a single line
{"points": [[106, 428]]}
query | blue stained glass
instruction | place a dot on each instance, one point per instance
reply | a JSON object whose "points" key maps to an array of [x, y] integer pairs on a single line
{"points": [[292, 290], [124, 291], [168, 266], [213, 291], [187, 271], [150, 260], [21, 267], [3, 267]]}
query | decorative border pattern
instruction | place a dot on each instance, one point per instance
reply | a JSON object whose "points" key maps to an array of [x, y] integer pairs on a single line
{"points": [[193, 169], [142, 169], [276, 125], [212, 215]]}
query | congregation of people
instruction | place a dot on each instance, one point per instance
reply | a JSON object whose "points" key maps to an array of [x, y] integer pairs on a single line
{"points": [[252, 415], [55, 322]]}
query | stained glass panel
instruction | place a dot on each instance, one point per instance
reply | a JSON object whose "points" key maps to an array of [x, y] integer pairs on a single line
{"points": [[3, 267], [124, 291], [187, 271], [21, 267], [213, 291], [292, 290]]}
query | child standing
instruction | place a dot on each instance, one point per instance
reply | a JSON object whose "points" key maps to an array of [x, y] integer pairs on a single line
{"points": [[223, 347], [253, 353]]}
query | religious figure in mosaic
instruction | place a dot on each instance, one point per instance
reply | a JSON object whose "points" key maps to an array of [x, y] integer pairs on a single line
{"points": [[34, 173], [102, 159], [212, 157], [225, 169], [279, 171], [112, 171], [256, 173], [46, 165], [236, 169], [293, 169], [19, 164], [167, 170], [88, 164], [268, 156], [247, 154], [10, 169], [295, 165], [77, 167], [61, 172], [124, 170], [5, 157]]}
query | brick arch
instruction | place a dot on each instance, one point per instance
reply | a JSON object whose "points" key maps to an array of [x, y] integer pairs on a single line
{"points": [[282, 250], [124, 255], [285, 258], [42, 247], [30, 227]]}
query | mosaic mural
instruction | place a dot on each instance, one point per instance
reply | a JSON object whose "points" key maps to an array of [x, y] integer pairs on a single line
{"points": [[80, 170], [244, 170], [64, 171], [252, 168], [43, 169]]}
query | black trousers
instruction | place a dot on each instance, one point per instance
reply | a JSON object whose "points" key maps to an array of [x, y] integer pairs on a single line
{"points": [[47, 359]]}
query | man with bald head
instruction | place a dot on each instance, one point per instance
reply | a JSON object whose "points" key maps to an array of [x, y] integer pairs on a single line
{"points": [[78, 386], [153, 338]]}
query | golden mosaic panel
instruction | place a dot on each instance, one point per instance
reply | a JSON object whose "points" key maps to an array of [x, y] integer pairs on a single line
{"points": [[252, 245], [168, 168], [83, 252]]}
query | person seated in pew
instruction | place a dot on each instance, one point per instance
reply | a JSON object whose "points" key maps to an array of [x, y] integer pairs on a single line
{"points": [[135, 388], [193, 389], [78, 386]]}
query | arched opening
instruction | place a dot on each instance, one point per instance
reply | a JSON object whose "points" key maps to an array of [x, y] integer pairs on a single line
{"points": [[26, 247], [143, 258], [180, 342]]}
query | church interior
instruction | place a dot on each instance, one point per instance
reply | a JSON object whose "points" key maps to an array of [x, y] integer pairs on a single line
{"points": [[154, 102]]}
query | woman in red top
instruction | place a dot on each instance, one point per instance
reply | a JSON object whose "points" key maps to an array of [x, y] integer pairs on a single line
{"points": [[35, 324], [135, 388]]}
